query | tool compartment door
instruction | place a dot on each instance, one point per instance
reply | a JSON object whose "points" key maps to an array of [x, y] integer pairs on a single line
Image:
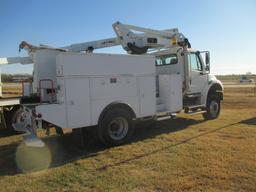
{"points": [[78, 102], [171, 92], [147, 95]]}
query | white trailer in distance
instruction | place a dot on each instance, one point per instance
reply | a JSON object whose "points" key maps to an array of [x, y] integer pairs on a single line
{"points": [[108, 93]]}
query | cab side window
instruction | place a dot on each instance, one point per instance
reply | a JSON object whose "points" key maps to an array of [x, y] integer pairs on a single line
{"points": [[195, 62], [167, 60]]}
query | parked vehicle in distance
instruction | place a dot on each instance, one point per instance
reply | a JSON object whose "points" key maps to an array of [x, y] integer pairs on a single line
{"points": [[245, 79]]}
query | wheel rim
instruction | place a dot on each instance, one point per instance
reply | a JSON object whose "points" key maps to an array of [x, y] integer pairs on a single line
{"points": [[214, 108], [19, 118], [118, 128]]}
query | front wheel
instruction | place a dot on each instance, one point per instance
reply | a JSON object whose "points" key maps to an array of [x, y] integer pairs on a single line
{"points": [[212, 108], [116, 127]]}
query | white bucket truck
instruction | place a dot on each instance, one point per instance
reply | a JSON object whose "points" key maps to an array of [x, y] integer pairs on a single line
{"points": [[108, 93]]}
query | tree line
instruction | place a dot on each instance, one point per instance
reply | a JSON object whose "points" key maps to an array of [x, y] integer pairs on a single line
{"points": [[15, 78]]}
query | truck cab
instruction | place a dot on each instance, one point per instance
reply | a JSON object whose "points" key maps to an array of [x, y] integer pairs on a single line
{"points": [[199, 86]]}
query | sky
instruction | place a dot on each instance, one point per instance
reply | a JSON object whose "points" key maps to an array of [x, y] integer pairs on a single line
{"points": [[224, 27]]}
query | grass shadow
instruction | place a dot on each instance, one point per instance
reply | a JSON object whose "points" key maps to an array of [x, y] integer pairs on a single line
{"points": [[251, 121], [7, 133], [104, 167], [63, 151]]}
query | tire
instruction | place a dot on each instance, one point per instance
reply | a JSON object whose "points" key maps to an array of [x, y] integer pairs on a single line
{"points": [[212, 107], [116, 127]]}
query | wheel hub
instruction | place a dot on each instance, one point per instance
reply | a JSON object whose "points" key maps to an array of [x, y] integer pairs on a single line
{"points": [[118, 128], [214, 108]]}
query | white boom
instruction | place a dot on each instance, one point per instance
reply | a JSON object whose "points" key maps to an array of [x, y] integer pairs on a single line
{"points": [[13, 60], [133, 43]]}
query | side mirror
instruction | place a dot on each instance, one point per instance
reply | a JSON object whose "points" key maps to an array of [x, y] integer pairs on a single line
{"points": [[207, 58]]}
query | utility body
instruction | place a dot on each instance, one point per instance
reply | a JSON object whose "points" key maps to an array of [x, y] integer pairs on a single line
{"points": [[75, 88]]}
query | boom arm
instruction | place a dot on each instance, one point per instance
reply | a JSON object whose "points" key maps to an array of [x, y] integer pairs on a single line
{"points": [[90, 46], [134, 43], [13, 60], [150, 39]]}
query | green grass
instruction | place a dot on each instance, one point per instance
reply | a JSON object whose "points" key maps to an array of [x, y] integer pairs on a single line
{"points": [[184, 154]]}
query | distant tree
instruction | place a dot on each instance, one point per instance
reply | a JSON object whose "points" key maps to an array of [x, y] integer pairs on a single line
{"points": [[6, 78], [15, 78]]}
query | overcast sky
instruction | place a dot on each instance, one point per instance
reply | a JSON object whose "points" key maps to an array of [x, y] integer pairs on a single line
{"points": [[226, 28]]}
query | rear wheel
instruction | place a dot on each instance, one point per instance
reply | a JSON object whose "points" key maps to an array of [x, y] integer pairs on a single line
{"points": [[213, 108], [116, 127]]}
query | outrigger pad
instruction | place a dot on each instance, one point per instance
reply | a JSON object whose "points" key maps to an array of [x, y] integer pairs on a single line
{"points": [[33, 141]]}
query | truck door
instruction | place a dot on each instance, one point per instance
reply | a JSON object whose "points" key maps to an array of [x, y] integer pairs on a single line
{"points": [[198, 77]]}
